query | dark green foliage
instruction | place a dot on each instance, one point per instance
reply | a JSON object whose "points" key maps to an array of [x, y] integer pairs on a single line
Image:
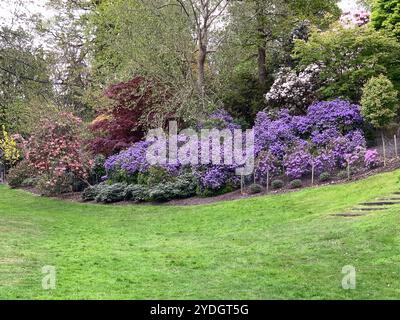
{"points": [[206, 192], [386, 15], [121, 176], [277, 184], [324, 176], [379, 102], [350, 57], [342, 174], [29, 182], [243, 98], [97, 171], [112, 193], [18, 174], [296, 184], [183, 187], [136, 192], [157, 175], [90, 193], [255, 188]]}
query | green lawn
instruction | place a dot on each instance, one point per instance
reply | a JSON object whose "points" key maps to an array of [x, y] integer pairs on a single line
{"points": [[271, 247]]}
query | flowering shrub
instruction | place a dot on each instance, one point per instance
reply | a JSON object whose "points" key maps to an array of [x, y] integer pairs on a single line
{"points": [[294, 91], [324, 161], [327, 137], [355, 19], [297, 163], [8, 145], [56, 151], [131, 160], [372, 159], [267, 164]]}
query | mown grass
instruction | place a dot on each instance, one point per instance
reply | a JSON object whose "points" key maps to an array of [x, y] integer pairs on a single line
{"points": [[271, 247]]}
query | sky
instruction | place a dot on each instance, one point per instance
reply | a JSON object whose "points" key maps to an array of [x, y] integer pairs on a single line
{"points": [[37, 6]]}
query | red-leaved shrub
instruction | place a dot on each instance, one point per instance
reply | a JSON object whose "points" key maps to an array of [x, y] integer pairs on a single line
{"points": [[119, 125]]}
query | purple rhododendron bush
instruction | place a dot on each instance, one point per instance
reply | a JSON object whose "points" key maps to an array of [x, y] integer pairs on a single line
{"points": [[326, 140], [288, 149]]}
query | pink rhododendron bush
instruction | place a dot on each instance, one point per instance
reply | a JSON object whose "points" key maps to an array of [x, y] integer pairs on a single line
{"points": [[57, 155]]}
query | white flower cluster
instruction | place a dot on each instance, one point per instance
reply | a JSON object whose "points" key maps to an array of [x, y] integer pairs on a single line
{"points": [[294, 91]]}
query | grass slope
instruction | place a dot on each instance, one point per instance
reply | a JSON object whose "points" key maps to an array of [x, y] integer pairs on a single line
{"points": [[272, 247]]}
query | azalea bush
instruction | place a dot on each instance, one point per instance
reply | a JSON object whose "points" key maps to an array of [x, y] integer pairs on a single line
{"points": [[294, 91], [372, 159], [326, 138], [56, 151], [131, 166]]}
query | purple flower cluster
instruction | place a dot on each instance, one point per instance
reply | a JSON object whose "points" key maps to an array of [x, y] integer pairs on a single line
{"points": [[338, 114], [213, 177], [131, 160], [330, 129], [372, 158], [268, 165], [324, 162], [297, 163]]}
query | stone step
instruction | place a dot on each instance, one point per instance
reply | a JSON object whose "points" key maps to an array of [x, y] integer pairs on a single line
{"points": [[396, 200], [370, 209], [396, 193], [349, 214], [378, 203]]}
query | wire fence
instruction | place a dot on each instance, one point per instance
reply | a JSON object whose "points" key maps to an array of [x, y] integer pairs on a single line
{"points": [[386, 146]]}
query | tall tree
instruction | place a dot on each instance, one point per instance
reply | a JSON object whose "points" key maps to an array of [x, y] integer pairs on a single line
{"points": [[386, 15], [68, 46], [24, 79], [268, 24]]}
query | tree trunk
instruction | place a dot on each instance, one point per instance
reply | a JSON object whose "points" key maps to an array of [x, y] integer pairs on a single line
{"points": [[201, 60], [262, 70], [262, 43]]}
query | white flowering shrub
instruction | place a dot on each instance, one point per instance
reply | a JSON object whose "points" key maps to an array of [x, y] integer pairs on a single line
{"points": [[294, 91]]}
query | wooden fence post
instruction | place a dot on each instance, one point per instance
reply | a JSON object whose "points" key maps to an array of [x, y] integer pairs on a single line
{"points": [[384, 149], [312, 173], [348, 169], [395, 146], [267, 180]]}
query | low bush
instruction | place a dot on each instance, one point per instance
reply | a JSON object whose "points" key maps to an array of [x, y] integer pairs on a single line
{"points": [[50, 186], [29, 182], [112, 193], [18, 174], [97, 171], [157, 175], [207, 192], [182, 187], [121, 176], [277, 184], [163, 192], [136, 192], [324, 176], [296, 184], [91, 192], [342, 175], [254, 189]]}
